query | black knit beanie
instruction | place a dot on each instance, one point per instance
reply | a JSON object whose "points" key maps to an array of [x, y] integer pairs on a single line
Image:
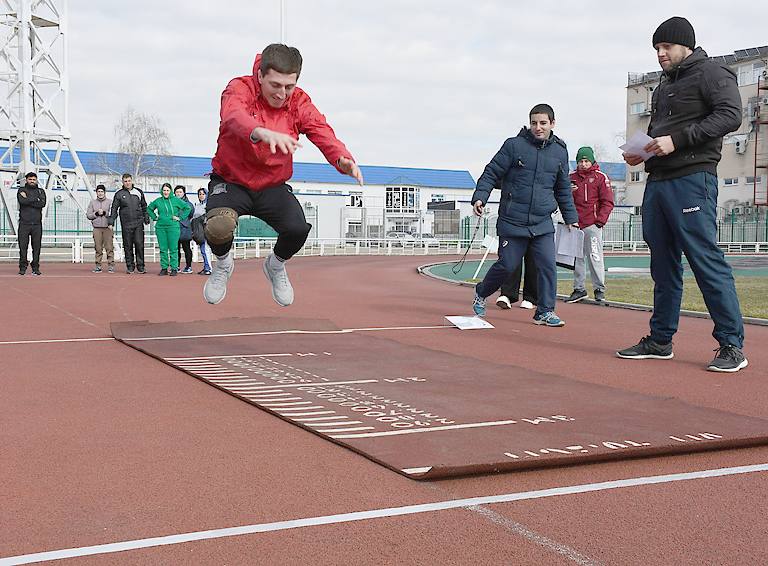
{"points": [[675, 30]]}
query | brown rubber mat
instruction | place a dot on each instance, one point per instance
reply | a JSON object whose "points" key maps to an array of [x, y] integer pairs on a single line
{"points": [[425, 413]]}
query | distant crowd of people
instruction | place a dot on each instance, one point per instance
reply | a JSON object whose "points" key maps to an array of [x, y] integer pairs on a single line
{"points": [[172, 212]]}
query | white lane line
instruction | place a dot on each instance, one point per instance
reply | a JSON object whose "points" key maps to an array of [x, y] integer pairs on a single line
{"points": [[53, 340], [374, 514], [430, 429]]}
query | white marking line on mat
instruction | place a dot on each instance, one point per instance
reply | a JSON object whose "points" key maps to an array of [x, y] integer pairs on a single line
{"points": [[341, 331], [277, 332], [419, 430], [374, 514]]}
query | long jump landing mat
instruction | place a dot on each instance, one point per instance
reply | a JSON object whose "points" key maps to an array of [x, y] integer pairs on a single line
{"points": [[427, 413]]}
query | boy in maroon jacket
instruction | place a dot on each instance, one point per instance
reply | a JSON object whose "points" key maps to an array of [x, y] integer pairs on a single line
{"points": [[593, 197]]}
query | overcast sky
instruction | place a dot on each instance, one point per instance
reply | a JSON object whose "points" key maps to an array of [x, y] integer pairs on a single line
{"points": [[409, 83]]}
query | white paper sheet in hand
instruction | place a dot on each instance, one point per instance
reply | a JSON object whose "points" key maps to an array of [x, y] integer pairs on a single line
{"points": [[568, 245], [636, 144]]}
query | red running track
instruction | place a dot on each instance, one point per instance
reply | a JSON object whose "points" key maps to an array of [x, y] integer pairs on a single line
{"points": [[101, 444]]}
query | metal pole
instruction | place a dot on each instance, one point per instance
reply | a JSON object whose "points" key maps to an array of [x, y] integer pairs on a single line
{"points": [[284, 22]]}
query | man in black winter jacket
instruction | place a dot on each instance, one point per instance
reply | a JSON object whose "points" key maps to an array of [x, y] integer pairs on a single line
{"points": [[31, 203], [695, 105], [130, 203]]}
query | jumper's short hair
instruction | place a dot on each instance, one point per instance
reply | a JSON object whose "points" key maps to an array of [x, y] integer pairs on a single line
{"points": [[281, 58], [127, 176], [30, 174], [543, 109], [101, 188]]}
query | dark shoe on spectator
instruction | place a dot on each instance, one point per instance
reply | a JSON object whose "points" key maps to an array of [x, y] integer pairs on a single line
{"points": [[577, 295], [729, 358], [35, 271], [163, 271], [647, 348], [599, 296], [173, 272]]}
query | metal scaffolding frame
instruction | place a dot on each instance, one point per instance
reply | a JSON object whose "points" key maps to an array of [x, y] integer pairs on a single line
{"points": [[34, 109]]}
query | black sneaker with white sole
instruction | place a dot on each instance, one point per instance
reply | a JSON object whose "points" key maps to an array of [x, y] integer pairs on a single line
{"points": [[647, 348], [577, 295], [729, 358]]}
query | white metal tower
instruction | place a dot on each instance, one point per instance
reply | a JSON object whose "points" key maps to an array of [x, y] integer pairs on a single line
{"points": [[34, 113]]}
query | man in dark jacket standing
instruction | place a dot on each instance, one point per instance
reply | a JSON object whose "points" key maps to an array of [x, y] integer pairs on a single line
{"points": [[129, 201], [593, 198], [533, 171], [695, 105], [31, 203]]}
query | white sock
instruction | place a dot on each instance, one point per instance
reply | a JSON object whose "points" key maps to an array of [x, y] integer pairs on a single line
{"points": [[275, 263], [225, 260]]}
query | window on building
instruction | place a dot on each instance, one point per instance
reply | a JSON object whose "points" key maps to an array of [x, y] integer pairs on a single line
{"points": [[748, 74], [402, 199], [753, 180], [356, 199], [730, 181], [635, 176], [335, 192], [637, 108]]}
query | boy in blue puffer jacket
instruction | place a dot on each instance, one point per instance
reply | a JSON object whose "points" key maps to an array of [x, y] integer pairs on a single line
{"points": [[532, 169]]}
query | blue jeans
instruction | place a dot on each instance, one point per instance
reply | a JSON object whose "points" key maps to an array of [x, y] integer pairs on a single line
{"points": [[680, 216], [511, 252]]}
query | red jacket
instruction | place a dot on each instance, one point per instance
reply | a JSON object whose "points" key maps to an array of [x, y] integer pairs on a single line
{"points": [[252, 165], [592, 196]]}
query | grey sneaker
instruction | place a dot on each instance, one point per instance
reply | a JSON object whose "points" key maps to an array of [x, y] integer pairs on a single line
{"points": [[216, 286], [729, 358], [282, 291], [577, 295], [111, 269], [599, 295], [98, 269], [647, 348]]}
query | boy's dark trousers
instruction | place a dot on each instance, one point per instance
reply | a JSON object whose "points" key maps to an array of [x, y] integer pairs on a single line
{"points": [[511, 252]]}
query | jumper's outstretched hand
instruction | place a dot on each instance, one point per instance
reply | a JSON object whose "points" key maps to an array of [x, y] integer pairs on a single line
{"points": [[350, 168], [276, 140]]}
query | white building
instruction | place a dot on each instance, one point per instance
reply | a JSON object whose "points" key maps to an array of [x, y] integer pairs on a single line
{"points": [[743, 170]]}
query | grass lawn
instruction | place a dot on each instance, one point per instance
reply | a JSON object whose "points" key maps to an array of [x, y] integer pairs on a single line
{"points": [[753, 293]]}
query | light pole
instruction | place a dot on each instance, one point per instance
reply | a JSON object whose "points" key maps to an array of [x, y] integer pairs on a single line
{"points": [[284, 22]]}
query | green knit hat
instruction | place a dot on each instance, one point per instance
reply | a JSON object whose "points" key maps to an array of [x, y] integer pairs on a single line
{"points": [[585, 153]]}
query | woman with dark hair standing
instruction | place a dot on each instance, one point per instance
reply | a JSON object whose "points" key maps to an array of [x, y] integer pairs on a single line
{"points": [[166, 210], [185, 223]]}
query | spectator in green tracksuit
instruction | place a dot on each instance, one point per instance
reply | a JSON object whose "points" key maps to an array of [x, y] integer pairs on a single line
{"points": [[166, 211]]}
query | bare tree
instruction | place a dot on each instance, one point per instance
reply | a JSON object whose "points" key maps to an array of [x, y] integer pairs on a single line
{"points": [[143, 148]]}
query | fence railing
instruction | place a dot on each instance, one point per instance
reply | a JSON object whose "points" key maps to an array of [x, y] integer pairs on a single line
{"points": [[79, 249]]}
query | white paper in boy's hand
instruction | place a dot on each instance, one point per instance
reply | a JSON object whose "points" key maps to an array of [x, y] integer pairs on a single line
{"points": [[636, 144]]}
